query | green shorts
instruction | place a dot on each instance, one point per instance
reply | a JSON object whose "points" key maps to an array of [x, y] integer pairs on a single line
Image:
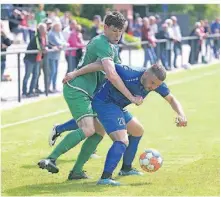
{"points": [[78, 102]]}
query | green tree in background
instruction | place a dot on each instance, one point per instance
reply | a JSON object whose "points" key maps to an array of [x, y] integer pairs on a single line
{"points": [[73, 8], [88, 10]]}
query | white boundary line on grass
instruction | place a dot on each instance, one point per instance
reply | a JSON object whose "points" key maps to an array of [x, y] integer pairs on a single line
{"points": [[185, 80]]}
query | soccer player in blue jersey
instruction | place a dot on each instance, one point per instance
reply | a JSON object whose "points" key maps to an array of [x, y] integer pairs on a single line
{"points": [[109, 104]]}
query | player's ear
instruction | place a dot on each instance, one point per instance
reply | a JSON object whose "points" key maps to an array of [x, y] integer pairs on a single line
{"points": [[105, 27]]}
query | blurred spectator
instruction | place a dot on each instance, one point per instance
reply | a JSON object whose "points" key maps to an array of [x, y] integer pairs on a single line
{"points": [[32, 61], [158, 21], [196, 44], [154, 31], [14, 21], [54, 17], [32, 25], [177, 47], [170, 43], [129, 28], [203, 41], [164, 52], [137, 27], [75, 40], [6, 11], [207, 31], [80, 40], [153, 25], [67, 31], [57, 41], [149, 53], [5, 43], [44, 66], [65, 20], [48, 22], [95, 30], [40, 15], [24, 25], [215, 28], [57, 12]]}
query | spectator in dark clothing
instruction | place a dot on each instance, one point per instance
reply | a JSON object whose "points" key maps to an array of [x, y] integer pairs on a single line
{"points": [[14, 23], [164, 52], [5, 43], [95, 30], [196, 44], [32, 61], [207, 30], [215, 29]]}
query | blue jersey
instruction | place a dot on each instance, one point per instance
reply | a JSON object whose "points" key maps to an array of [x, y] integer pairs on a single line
{"points": [[131, 77]]}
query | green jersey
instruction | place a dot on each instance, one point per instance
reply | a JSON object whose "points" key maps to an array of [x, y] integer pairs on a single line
{"points": [[99, 48]]}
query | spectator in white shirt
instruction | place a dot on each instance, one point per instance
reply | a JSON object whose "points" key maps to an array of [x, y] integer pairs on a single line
{"points": [[153, 25], [65, 20], [177, 48]]}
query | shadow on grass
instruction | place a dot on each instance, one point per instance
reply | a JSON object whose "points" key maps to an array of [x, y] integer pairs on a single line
{"points": [[54, 189], [140, 184], [59, 162]]}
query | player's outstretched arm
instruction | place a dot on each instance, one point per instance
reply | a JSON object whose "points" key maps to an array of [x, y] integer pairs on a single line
{"points": [[114, 78], [89, 68], [177, 107]]}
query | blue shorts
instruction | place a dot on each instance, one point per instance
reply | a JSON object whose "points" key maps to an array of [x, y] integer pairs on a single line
{"points": [[111, 116]]}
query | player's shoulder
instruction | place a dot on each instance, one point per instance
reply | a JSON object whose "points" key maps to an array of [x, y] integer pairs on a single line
{"points": [[100, 42], [100, 39], [129, 71]]}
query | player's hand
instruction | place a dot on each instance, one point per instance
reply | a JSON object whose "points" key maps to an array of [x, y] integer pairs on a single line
{"points": [[137, 100], [181, 121], [68, 77]]}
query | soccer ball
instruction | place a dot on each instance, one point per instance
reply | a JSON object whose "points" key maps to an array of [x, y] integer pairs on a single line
{"points": [[151, 160]]}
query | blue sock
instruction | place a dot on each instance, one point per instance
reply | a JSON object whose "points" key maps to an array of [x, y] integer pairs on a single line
{"points": [[130, 152], [113, 157], [67, 126]]}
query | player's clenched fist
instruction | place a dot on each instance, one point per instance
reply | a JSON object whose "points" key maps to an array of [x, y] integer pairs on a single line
{"points": [[138, 100], [181, 121]]}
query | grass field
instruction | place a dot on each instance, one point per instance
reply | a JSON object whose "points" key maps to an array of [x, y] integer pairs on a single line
{"points": [[191, 155]]}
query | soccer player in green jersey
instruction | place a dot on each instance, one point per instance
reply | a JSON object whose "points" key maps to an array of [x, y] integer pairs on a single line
{"points": [[79, 91]]}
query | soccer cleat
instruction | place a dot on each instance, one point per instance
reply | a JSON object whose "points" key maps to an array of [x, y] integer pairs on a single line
{"points": [[76, 176], [133, 171], [49, 165], [95, 156], [53, 136], [108, 182]]}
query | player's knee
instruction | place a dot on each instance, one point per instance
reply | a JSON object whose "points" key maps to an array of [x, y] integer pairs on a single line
{"points": [[120, 135], [140, 130], [125, 141], [88, 131]]}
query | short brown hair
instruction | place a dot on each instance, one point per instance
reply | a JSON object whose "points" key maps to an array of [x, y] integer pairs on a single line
{"points": [[159, 71], [116, 19]]}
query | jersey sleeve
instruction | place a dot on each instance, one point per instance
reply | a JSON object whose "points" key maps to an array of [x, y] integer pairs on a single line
{"points": [[104, 51], [163, 90]]}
